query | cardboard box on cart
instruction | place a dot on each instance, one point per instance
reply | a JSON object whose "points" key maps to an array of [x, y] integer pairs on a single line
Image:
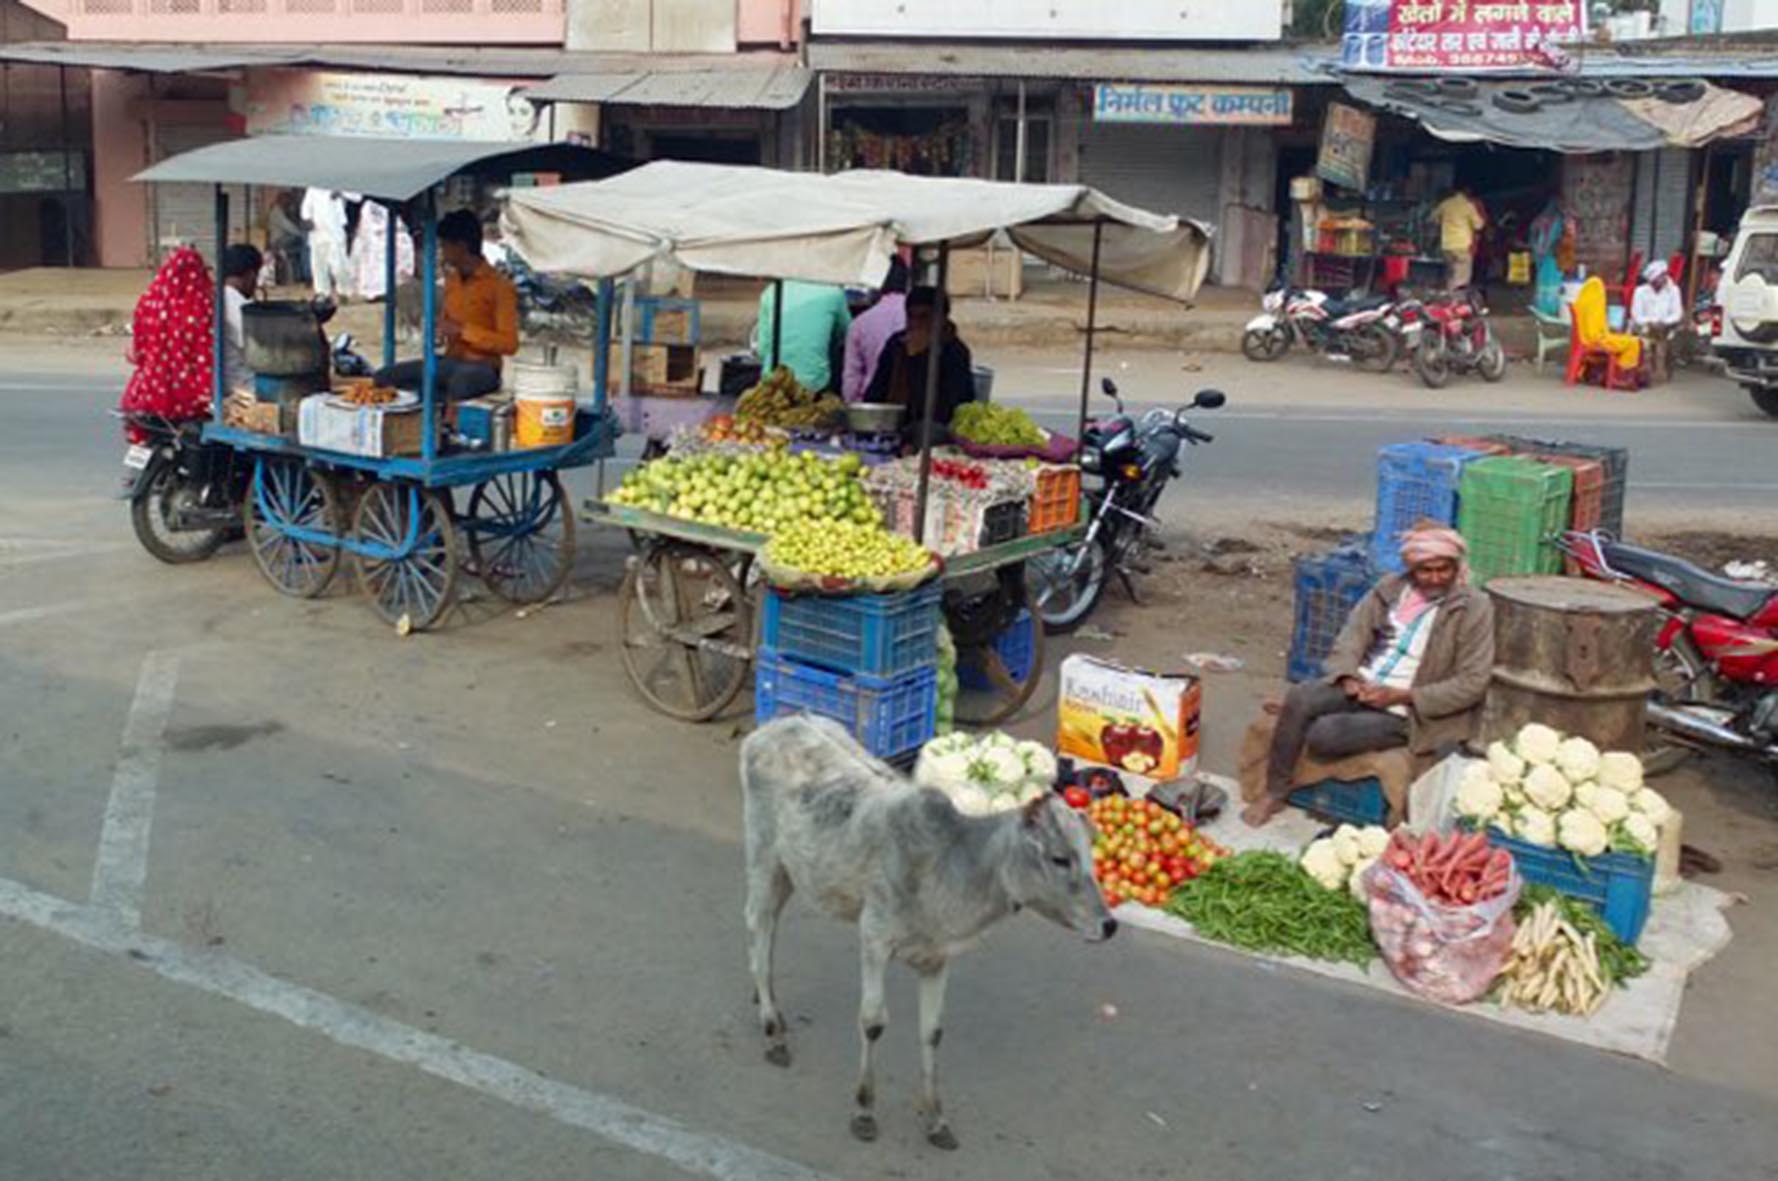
{"points": [[1141, 724]]}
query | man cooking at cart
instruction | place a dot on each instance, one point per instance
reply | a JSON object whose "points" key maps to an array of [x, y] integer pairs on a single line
{"points": [[479, 322], [1410, 667], [900, 378]]}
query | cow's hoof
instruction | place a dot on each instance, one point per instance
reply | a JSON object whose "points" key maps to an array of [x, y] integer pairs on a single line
{"points": [[778, 1054], [864, 1127], [942, 1137]]}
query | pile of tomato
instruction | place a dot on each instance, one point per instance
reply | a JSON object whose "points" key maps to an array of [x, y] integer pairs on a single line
{"points": [[969, 475], [1142, 852]]}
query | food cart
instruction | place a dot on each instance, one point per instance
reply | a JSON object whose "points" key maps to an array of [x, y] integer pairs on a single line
{"points": [[686, 617], [391, 507]]}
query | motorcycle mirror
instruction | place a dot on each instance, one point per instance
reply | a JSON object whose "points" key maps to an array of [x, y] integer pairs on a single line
{"points": [[1109, 387], [342, 342], [1209, 399]]}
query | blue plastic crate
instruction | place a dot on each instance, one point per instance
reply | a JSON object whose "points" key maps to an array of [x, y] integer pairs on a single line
{"points": [[1620, 886], [877, 635], [890, 716], [1015, 646], [1328, 586], [1415, 481], [1359, 801]]}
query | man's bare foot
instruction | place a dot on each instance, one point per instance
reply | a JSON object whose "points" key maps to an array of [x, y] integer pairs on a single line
{"points": [[1273, 706], [1260, 811]]}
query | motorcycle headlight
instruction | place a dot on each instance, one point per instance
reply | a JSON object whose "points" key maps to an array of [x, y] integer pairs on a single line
{"points": [[1089, 460]]}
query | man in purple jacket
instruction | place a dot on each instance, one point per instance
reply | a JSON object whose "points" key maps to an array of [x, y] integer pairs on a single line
{"points": [[872, 330]]}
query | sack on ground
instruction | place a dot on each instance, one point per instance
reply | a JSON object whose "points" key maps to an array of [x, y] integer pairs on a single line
{"points": [[1443, 953]]}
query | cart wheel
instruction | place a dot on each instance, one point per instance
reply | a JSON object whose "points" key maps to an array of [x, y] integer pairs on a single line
{"points": [[418, 581], [286, 496], [1003, 695], [521, 535], [686, 629]]}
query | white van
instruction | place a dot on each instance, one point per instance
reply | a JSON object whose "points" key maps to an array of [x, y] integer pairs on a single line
{"points": [[1744, 323]]}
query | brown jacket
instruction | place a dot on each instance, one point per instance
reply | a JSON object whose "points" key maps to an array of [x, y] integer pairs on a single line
{"points": [[1453, 674]]}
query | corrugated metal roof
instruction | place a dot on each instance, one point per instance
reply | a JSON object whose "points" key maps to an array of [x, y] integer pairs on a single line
{"points": [[772, 90], [150, 59], [1278, 66]]}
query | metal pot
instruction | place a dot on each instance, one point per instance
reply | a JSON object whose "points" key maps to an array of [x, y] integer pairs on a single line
{"points": [[874, 418], [282, 338]]}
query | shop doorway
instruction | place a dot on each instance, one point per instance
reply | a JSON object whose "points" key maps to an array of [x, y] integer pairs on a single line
{"points": [[704, 147]]}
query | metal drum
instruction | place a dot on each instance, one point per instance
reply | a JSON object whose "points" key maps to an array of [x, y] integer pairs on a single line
{"points": [[1574, 654], [282, 338]]}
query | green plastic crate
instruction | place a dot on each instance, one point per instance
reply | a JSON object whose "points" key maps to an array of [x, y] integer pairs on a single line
{"points": [[1511, 509]]}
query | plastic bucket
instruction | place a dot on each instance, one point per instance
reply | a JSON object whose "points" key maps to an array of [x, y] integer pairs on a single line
{"points": [[543, 398]]}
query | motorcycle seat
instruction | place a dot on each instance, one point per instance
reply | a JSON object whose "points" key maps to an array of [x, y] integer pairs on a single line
{"points": [[1692, 584], [1337, 308]]}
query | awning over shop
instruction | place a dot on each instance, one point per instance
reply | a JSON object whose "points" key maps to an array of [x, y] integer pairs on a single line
{"points": [[1563, 115], [773, 89], [837, 229], [389, 169], [1171, 64]]}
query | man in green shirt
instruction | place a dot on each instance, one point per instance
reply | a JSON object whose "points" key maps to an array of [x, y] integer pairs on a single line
{"points": [[815, 323]]}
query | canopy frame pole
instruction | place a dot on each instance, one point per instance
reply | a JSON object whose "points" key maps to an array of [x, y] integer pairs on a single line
{"points": [[602, 305], [821, 120], [389, 286], [1018, 160], [1086, 365], [429, 330], [67, 173], [777, 324], [219, 314], [941, 314]]}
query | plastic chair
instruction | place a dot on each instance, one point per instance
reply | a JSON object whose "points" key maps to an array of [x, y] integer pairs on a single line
{"points": [[1595, 366], [1554, 333]]}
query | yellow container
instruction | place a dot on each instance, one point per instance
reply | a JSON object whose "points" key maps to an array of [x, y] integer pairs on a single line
{"points": [[543, 420]]}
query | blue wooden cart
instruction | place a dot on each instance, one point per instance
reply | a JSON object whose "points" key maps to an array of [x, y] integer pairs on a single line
{"points": [[398, 519]]}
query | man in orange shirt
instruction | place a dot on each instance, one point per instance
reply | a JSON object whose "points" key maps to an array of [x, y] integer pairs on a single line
{"points": [[478, 324]]}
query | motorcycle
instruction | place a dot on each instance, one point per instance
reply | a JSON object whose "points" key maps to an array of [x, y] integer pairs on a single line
{"points": [[1352, 328], [1457, 338], [185, 494], [1133, 461], [1716, 654]]}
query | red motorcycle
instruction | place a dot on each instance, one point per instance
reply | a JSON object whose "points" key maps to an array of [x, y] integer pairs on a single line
{"points": [[1716, 656], [1455, 337]]}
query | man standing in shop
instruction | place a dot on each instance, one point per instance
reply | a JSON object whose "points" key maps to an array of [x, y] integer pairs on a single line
{"points": [[1460, 223]]}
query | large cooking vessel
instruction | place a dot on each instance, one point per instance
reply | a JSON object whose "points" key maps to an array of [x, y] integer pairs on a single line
{"points": [[282, 338], [1573, 654]]}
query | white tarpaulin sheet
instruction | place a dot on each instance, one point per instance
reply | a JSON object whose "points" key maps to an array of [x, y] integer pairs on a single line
{"points": [[837, 229]]}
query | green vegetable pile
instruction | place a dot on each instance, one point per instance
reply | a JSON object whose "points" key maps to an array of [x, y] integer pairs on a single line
{"points": [[1619, 962], [996, 426], [1264, 901]]}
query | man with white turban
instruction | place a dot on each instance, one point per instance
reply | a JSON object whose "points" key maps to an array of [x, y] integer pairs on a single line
{"points": [[1656, 311], [1410, 667]]}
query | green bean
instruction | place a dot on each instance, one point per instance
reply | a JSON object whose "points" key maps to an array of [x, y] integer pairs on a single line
{"points": [[1264, 901]]}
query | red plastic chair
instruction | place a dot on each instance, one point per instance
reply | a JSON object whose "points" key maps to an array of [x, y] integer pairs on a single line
{"points": [[1594, 366]]}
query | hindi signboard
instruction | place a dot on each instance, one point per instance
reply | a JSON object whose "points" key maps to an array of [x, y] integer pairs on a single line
{"points": [[1346, 141], [1460, 35], [1139, 102], [317, 102]]}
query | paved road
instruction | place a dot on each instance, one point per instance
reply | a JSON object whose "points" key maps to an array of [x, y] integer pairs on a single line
{"points": [[457, 906]]}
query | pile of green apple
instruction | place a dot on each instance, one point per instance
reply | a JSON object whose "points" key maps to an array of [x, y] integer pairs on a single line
{"points": [[844, 549], [766, 492]]}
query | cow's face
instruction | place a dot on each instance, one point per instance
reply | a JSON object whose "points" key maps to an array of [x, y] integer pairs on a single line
{"points": [[1053, 869]]}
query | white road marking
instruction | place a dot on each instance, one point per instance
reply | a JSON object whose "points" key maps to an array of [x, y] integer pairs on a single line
{"points": [[121, 869], [349, 1025]]}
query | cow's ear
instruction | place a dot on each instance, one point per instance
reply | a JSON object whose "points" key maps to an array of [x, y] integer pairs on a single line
{"points": [[1033, 812]]}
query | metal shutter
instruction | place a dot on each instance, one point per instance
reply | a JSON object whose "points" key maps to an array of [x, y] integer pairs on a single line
{"points": [[1164, 169], [1662, 193], [185, 215]]}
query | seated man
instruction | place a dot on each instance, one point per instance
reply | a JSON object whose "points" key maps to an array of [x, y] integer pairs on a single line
{"points": [[900, 378], [241, 264], [478, 324], [1656, 312], [1410, 666]]}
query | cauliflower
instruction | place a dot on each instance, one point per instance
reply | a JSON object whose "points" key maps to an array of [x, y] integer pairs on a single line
{"points": [[1585, 794], [1372, 840], [1040, 764], [1355, 882], [947, 770], [1537, 743], [1582, 832], [1653, 805], [1536, 826], [1610, 805], [1345, 843], [1578, 759], [1322, 862], [1504, 822], [1506, 766], [1546, 788], [1621, 770], [1641, 832], [972, 801], [996, 768], [1513, 796], [1478, 796]]}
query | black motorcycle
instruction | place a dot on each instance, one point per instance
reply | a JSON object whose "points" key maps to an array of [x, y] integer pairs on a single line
{"points": [[1132, 461], [185, 494]]}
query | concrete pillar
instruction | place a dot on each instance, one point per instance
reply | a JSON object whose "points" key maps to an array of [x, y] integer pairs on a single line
{"points": [[120, 150]]}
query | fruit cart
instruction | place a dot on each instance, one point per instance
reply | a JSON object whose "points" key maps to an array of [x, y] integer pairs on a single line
{"points": [[388, 502], [687, 622]]}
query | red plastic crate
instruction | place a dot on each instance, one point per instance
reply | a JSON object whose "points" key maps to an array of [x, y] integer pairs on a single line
{"points": [[1473, 443], [1587, 507], [1056, 504]]}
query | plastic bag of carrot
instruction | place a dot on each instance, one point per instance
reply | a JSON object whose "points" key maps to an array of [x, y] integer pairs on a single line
{"points": [[1441, 909]]}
